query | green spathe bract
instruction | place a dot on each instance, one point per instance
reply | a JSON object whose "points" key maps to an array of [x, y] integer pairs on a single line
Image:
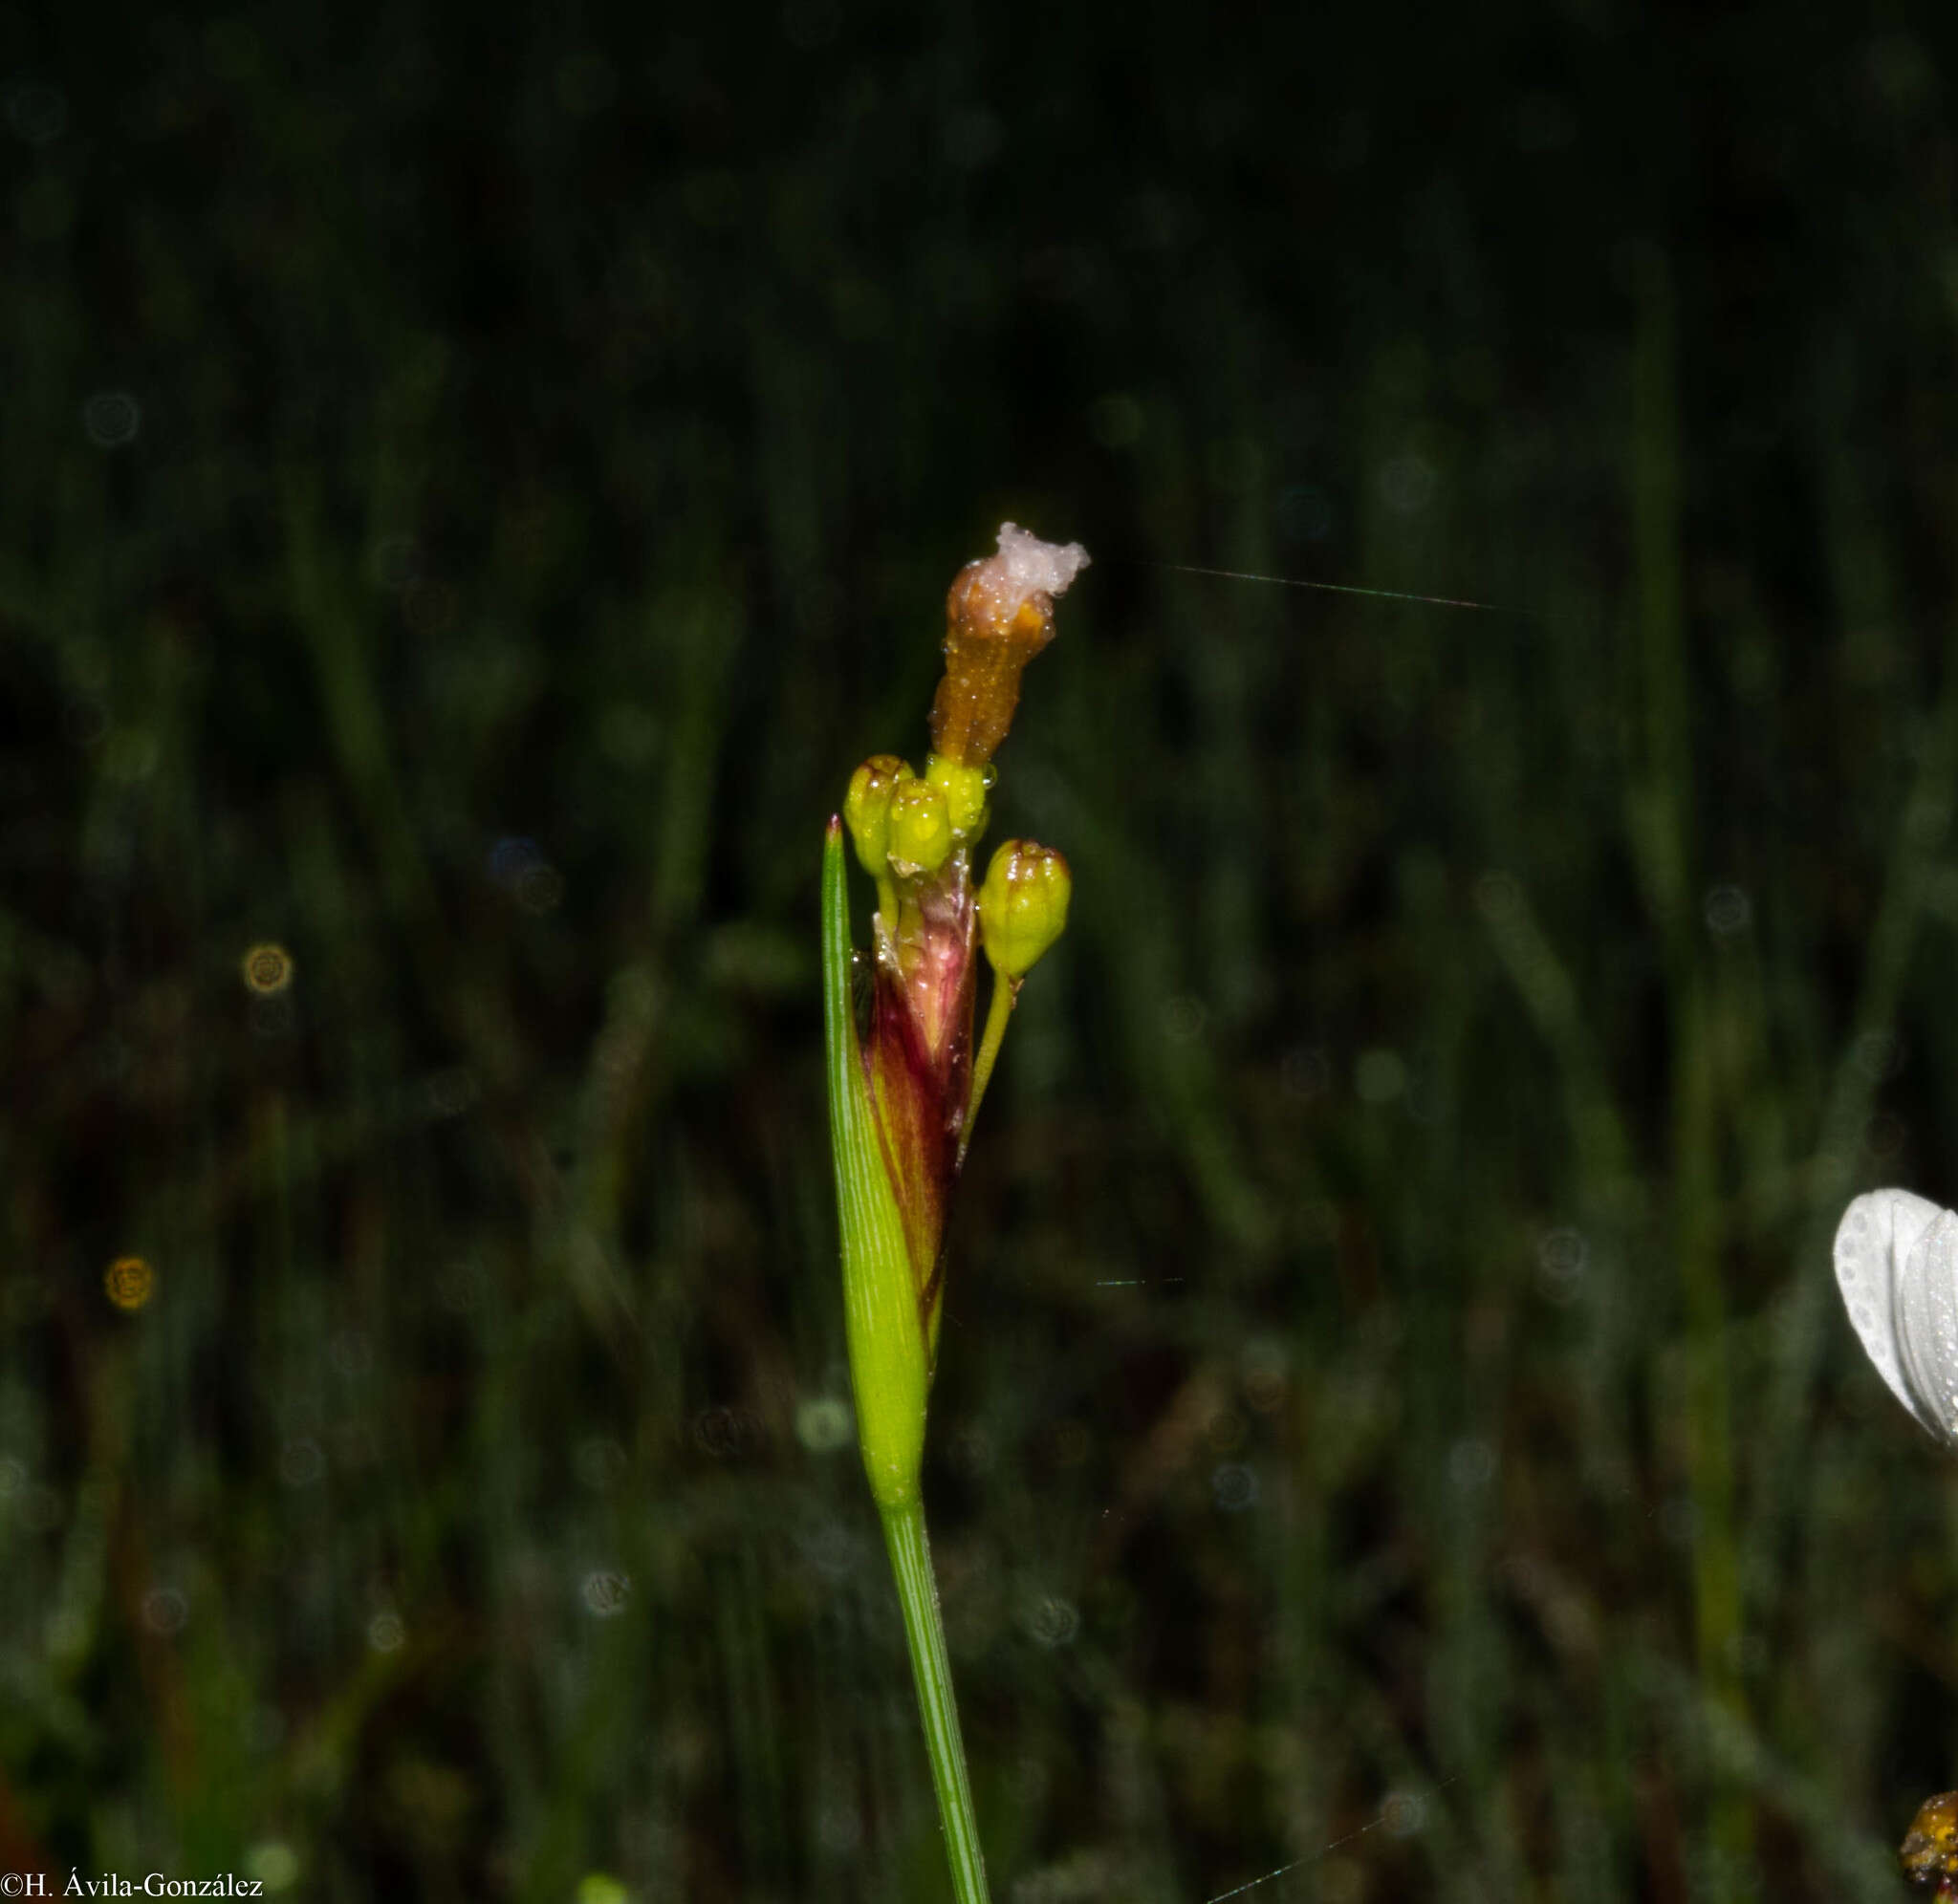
{"points": [[890, 1373], [888, 1361]]}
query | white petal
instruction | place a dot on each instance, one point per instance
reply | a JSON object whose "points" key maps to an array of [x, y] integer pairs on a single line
{"points": [[1927, 1323], [1873, 1242]]}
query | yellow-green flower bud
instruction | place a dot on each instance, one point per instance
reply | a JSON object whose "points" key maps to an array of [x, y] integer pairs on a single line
{"points": [[867, 809], [1023, 906], [921, 828], [965, 790]]}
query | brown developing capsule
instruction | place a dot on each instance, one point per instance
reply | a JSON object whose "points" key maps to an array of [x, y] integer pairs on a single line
{"points": [[998, 616]]}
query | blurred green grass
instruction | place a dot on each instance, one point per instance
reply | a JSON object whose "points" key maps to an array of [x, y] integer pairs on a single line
{"points": [[475, 489]]}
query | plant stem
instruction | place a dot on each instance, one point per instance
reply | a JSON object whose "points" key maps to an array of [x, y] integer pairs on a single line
{"points": [[1005, 992], [904, 1537]]}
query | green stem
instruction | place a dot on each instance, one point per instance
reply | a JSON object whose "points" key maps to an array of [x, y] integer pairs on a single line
{"points": [[1005, 992], [904, 1537]]}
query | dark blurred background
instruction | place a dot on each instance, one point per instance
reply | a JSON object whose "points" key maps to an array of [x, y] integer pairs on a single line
{"points": [[474, 484]]}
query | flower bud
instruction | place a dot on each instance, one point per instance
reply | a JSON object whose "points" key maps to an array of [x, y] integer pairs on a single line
{"points": [[965, 790], [1023, 906], [919, 829], [1930, 1850], [867, 810]]}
